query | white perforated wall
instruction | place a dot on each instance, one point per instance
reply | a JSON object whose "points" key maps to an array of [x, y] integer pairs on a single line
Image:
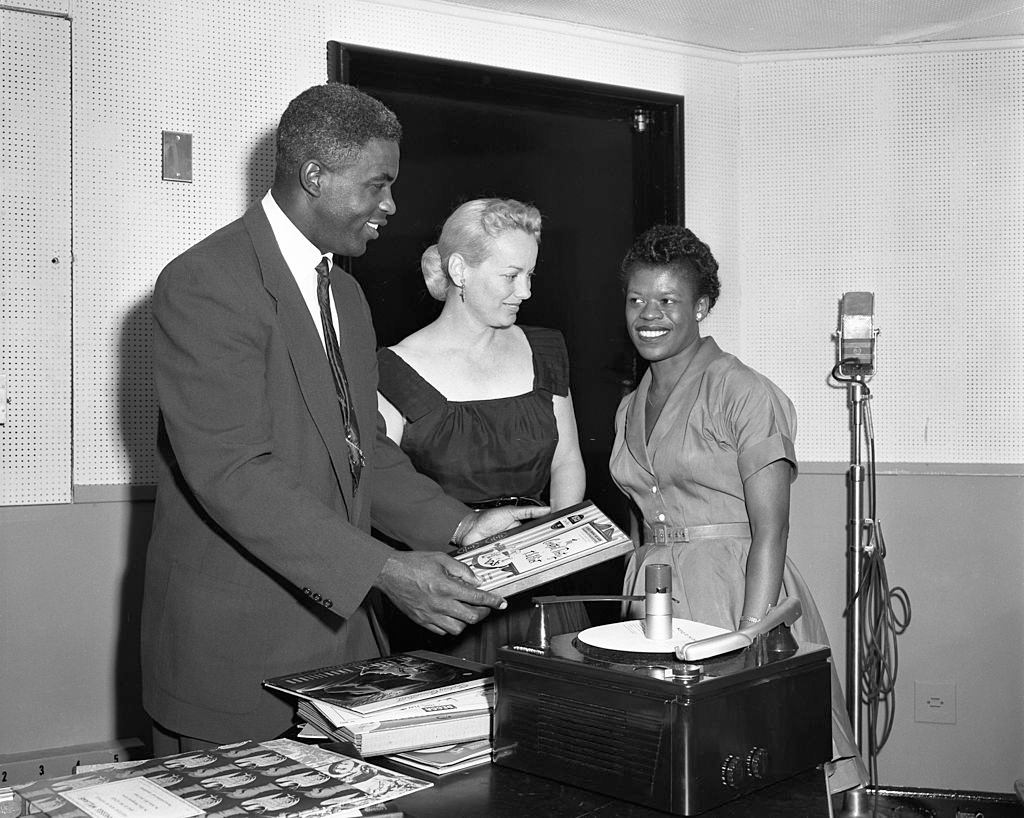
{"points": [[898, 174], [895, 173], [222, 72], [35, 259]]}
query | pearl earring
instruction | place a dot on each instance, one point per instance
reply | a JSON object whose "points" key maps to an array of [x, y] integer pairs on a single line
{"points": [[699, 316]]}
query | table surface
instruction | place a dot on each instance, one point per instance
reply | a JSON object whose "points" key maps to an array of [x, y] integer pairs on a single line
{"points": [[492, 791]]}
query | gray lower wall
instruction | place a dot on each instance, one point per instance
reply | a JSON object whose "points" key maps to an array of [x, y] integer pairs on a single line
{"points": [[70, 591], [954, 543], [70, 579]]}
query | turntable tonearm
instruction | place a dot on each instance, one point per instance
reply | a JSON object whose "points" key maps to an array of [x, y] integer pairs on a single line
{"points": [[682, 724]]}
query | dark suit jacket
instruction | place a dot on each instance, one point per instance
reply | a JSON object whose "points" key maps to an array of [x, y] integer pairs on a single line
{"points": [[260, 561]]}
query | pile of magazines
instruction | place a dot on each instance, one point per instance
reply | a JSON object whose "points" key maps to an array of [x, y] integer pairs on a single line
{"points": [[429, 711]]}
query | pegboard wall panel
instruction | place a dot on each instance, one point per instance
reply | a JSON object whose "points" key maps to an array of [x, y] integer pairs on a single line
{"points": [[222, 72], [711, 167], [60, 8], [849, 201], [901, 175], [35, 261]]}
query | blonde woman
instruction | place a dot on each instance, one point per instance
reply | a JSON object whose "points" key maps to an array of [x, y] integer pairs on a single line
{"points": [[479, 403]]}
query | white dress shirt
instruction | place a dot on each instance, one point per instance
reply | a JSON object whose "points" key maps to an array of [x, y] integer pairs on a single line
{"points": [[301, 256]]}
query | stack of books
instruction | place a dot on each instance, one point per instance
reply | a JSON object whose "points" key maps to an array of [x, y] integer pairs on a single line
{"points": [[395, 704], [463, 716]]}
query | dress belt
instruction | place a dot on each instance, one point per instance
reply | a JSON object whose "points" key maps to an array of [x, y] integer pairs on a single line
{"points": [[662, 534], [498, 502]]}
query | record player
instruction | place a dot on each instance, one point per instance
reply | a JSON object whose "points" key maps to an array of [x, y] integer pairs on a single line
{"points": [[670, 722]]}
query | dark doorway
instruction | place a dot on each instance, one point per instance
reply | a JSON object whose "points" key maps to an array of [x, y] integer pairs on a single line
{"points": [[600, 162]]}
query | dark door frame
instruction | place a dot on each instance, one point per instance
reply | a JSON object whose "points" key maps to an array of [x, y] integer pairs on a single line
{"points": [[657, 118]]}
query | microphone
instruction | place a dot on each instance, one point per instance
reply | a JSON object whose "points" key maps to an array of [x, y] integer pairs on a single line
{"points": [[658, 601], [856, 334]]}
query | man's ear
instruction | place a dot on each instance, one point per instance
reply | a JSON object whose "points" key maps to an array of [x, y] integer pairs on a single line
{"points": [[311, 176]]}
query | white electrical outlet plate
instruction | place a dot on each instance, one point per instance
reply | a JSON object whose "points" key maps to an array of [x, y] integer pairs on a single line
{"points": [[935, 702]]}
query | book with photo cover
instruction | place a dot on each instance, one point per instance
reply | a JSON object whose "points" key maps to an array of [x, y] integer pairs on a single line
{"points": [[473, 700], [369, 685], [544, 549]]}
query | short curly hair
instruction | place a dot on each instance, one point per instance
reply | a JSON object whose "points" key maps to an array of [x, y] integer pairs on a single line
{"points": [[332, 123], [470, 231], [669, 245]]}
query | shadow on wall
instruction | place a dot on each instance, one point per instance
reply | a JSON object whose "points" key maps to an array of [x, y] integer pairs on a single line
{"points": [[261, 167], [138, 423], [137, 418]]}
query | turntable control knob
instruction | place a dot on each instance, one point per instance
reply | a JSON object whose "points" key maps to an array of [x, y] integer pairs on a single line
{"points": [[757, 762], [733, 772]]}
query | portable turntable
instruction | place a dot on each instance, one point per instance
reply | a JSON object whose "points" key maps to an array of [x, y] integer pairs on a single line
{"points": [[683, 722]]}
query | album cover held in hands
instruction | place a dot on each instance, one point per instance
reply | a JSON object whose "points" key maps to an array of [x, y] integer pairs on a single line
{"points": [[544, 549]]}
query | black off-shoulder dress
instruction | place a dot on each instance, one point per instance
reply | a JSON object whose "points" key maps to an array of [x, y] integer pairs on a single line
{"points": [[480, 451]]}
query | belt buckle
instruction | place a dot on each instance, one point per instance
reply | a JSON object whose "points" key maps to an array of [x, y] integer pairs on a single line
{"points": [[664, 534], [659, 533]]}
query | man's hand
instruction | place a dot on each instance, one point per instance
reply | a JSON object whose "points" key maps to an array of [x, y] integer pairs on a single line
{"points": [[436, 591], [495, 520]]}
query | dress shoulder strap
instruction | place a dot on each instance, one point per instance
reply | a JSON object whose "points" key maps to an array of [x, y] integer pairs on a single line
{"points": [[550, 360], [404, 387]]}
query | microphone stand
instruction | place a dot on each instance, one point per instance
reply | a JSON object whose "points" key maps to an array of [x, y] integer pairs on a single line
{"points": [[855, 802]]}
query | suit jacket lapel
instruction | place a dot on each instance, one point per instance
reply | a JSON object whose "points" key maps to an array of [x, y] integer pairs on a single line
{"points": [[309, 361]]}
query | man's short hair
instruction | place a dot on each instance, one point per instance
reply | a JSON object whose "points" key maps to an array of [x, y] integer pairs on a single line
{"points": [[331, 123]]}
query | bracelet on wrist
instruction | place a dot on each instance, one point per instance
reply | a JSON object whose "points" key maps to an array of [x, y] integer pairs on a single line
{"points": [[749, 620], [462, 528]]}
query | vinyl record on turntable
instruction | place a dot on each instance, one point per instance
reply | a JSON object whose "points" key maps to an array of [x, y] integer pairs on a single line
{"points": [[625, 642]]}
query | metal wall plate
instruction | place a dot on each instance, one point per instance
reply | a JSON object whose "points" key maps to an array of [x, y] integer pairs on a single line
{"points": [[177, 164]]}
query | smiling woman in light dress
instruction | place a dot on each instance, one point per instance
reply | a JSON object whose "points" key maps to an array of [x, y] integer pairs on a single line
{"points": [[705, 450], [479, 403]]}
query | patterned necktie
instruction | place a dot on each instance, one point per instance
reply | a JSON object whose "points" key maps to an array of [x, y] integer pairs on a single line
{"points": [[348, 417]]}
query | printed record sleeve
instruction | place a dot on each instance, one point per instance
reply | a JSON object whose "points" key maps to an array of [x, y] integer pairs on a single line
{"points": [[369, 685], [281, 777], [544, 549]]}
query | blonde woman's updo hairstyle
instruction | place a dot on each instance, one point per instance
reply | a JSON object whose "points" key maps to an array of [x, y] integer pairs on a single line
{"points": [[470, 231]]}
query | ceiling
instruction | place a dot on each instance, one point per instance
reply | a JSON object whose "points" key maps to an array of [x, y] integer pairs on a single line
{"points": [[747, 26]]}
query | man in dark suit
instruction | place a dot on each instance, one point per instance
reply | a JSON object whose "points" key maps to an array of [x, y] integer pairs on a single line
{"points": [[273, 467]]}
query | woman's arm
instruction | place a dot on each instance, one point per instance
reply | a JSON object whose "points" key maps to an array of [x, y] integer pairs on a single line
{"points": [[766, 493], [392, 419], [568, 477]]}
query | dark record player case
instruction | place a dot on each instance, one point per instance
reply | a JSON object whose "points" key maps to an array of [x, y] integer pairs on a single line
{"points": [[680, 746]]}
